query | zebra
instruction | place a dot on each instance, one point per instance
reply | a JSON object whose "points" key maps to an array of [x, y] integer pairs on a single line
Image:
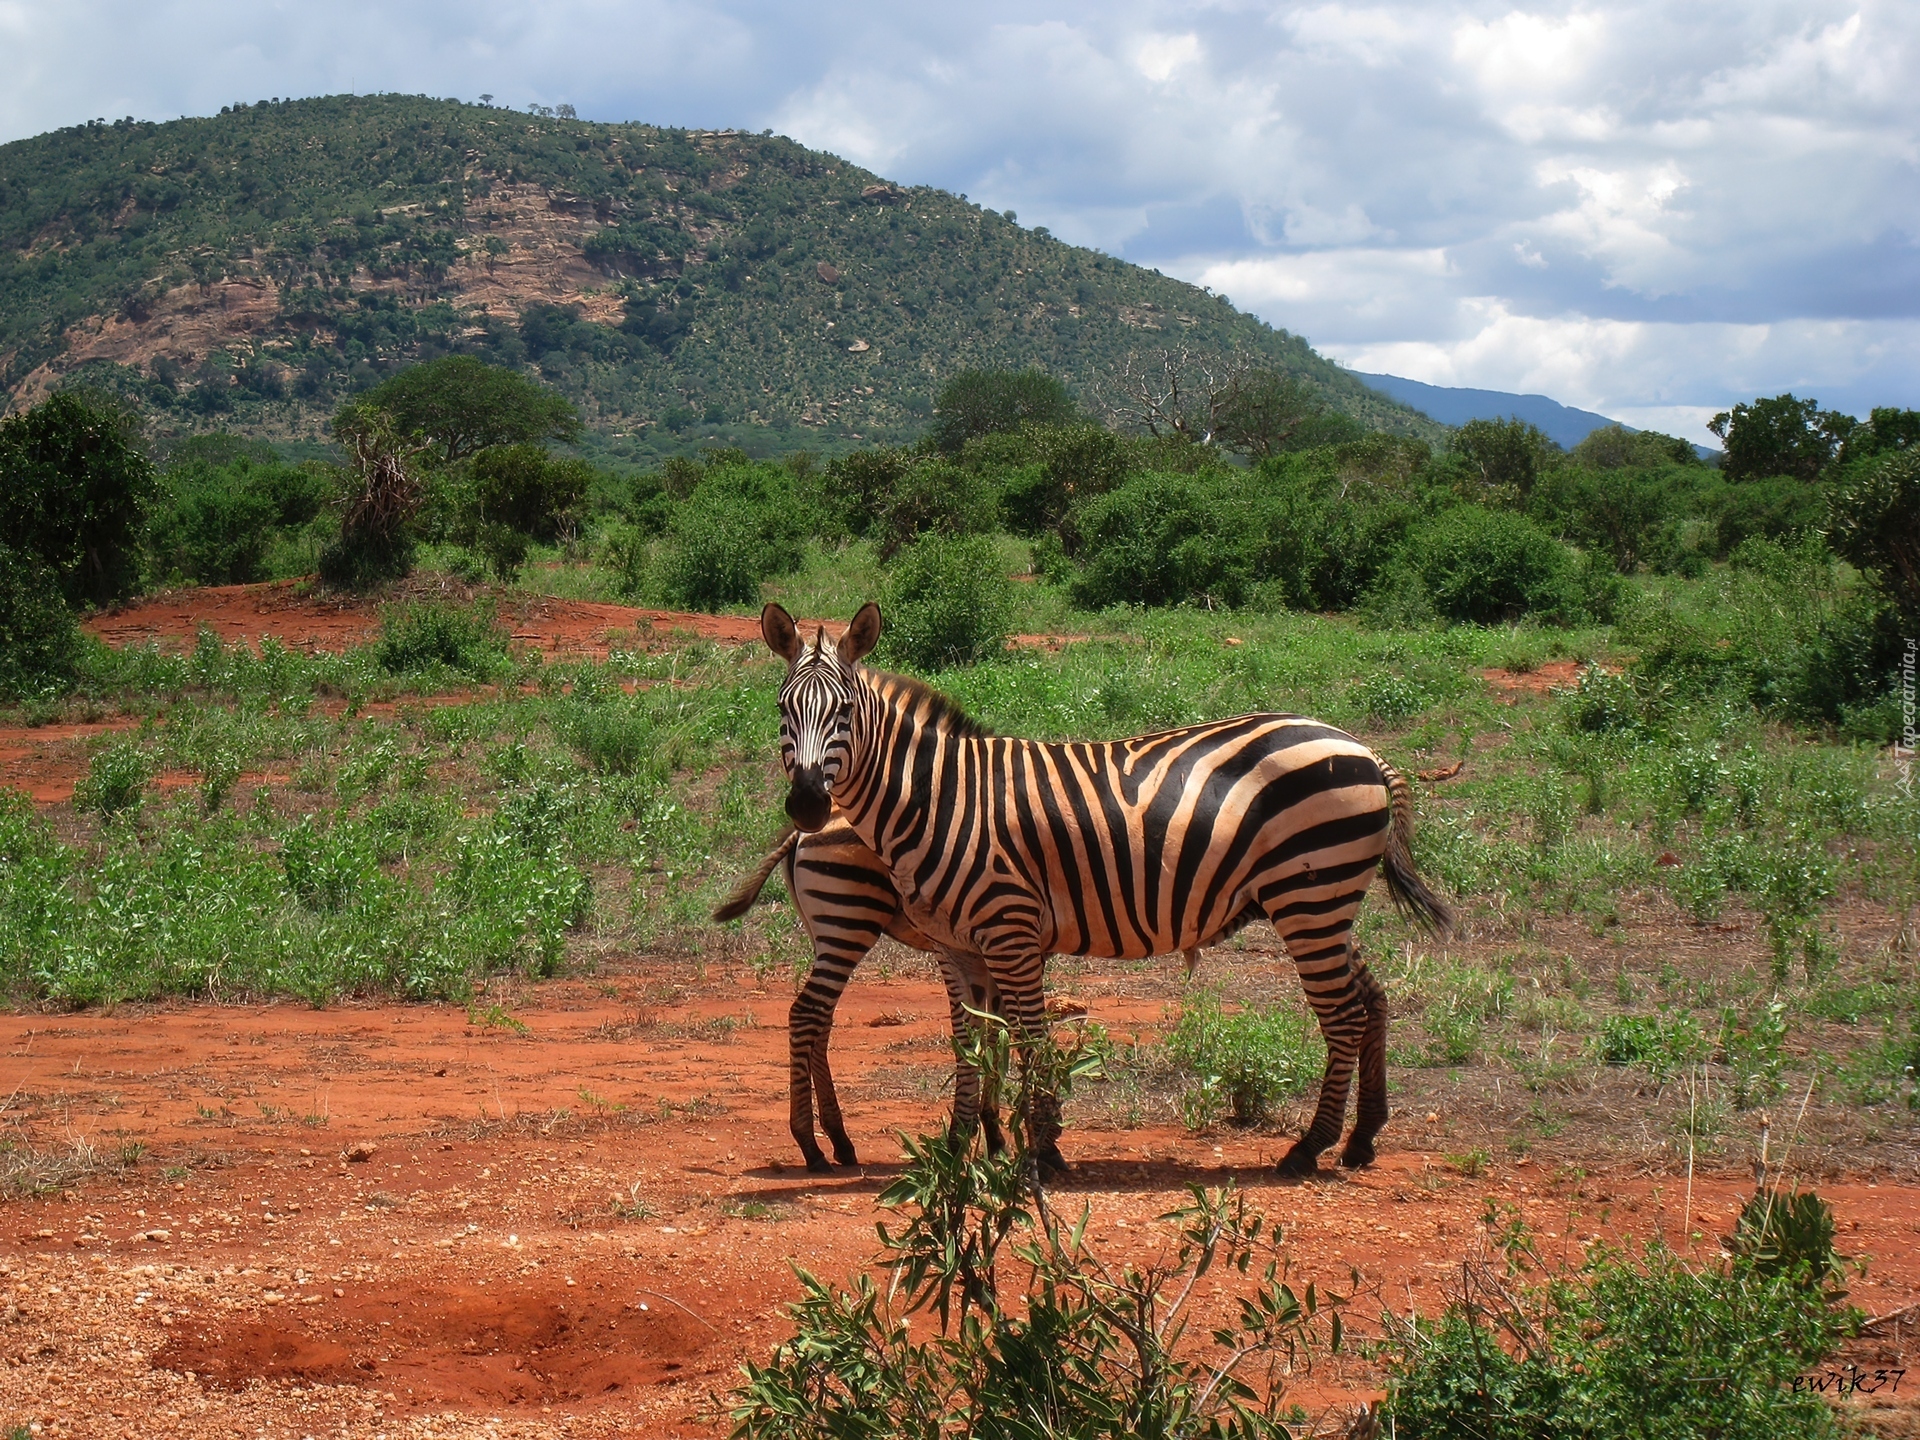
{"points": [[1015, 849], [846, 899]]}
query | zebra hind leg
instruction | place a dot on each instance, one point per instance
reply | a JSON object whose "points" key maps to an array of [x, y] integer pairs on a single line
{"points": [[827, 1099], [1373, 1109], [1341, 1009]]}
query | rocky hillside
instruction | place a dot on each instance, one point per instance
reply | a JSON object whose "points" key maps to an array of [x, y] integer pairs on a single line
{"points": [[249, 269]]}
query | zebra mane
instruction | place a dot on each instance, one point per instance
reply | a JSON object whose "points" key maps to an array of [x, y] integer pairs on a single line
{"points": [[943, 713]]}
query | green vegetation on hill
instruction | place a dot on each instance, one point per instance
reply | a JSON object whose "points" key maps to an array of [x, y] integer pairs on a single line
{"points": [[741, 286]]}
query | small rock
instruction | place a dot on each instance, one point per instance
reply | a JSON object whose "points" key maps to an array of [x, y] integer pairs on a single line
{"points": [[360, 1152], [858, 347], [827, 273]]}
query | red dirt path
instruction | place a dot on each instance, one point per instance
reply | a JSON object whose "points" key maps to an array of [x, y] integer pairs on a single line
{"points": [[313, 622], [585, 1228]]}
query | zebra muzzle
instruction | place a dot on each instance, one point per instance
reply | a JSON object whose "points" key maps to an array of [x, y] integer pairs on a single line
{"points": [[808, 804]]}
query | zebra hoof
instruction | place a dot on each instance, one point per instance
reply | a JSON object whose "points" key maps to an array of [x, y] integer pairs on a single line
{"points": [[1053, 1165], [844, 1155], [1358, 1154], [817, 1164], [1297, 1164]]}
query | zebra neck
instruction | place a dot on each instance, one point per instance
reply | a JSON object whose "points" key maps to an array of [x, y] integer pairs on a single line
{"points": [[896, 728]]}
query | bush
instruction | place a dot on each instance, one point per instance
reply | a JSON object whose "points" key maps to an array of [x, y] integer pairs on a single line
{"points": [[1780, 510], [1490, 567], [1162, 540], [1054, 1343], [742, 524], [220, 521], [1057, 466], [1621, 1345], [1873, 520], [1244, 1063], [524, 489], [417, 637], [74, 492], [39, 641], [984, 402], [116, 781], [949, 602]]}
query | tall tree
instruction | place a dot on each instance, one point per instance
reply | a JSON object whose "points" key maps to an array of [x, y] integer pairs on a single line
{"points": [[460, 406], [986, 402], [74, 489], [1781, 436]]}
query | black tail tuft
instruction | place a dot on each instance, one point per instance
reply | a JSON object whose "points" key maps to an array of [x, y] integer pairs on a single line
{"points": [[1412, 896], [748, 890]]}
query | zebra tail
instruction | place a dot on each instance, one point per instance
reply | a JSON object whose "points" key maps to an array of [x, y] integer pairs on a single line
{"points": [[748, 890], [1412, 896]]}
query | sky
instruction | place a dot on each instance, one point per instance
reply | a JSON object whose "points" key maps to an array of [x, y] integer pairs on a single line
{"points": [[1646, 210]]}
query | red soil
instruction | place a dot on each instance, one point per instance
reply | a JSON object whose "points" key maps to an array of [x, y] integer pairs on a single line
{"points": [[368, 1217]]}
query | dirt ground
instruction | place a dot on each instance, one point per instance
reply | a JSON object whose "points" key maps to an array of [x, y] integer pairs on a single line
{"points": [[574, 1209], [407, 1220]]}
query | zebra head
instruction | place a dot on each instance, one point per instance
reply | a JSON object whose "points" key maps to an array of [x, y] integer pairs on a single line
{"points": [[816, 707]]}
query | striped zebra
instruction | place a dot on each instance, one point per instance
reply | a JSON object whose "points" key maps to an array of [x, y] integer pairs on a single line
{"points": [[1015, 849], [846, 899]]}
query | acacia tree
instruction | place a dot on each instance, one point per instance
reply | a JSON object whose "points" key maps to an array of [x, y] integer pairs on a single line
{"points": [[1781, 436], [1264, 411], [458, 405]]}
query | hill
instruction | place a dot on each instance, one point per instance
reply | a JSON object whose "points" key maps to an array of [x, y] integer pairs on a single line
{"points": [[250, 269], [1455, 405]]}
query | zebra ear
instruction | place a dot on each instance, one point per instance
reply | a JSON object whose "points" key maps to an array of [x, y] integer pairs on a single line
{"points": [[862, 635], [780, 633]]}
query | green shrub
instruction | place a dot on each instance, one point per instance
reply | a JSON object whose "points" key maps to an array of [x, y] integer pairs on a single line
{"points": [[984, 402], [1663, 1045], [1157, 540], [524, 489], [742, 524], [1243, 1063], [1619, 1346], [75, 488], [224, 511], [39, 640], [1873, 520], [116, 781], [1056, 1342], [932, 498], [949, 602], [1781, 510], [1491, 566], [423, 637]]}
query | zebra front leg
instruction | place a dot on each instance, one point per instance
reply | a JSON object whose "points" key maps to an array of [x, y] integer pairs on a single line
{"points": [[809, 1021], [969, 988], [1023, 1002], [1373, 1109]]}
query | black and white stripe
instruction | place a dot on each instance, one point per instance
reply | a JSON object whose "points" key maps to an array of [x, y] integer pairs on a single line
{"points": [[1015, 849], [846, 899]]}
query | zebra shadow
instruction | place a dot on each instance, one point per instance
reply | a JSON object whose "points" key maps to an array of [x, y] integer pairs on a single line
{"points": [[1088, 1176]]}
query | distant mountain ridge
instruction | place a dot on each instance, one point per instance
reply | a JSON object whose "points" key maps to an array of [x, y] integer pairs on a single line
{"points": [[1454, 405], [252, 269]]}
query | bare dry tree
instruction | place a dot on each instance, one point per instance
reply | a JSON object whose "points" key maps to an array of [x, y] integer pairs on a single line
{"points": [[1175, 391]]}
